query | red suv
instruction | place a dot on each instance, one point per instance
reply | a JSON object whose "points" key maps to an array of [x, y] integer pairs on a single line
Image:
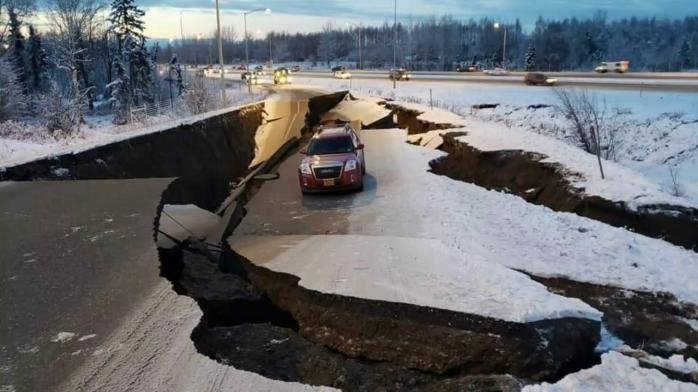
{"points": [[334, 160]]}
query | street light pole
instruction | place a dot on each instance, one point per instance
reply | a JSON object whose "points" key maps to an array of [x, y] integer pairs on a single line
{"points": [[395, 36], [247, 50], [220, 54], [504, 44]]}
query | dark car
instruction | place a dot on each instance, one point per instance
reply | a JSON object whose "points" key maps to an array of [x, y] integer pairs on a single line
{"points": [[338, 68], [296, 68], [538, 79], [399, 74], [259, 70], [334, 160], [466, 68]]}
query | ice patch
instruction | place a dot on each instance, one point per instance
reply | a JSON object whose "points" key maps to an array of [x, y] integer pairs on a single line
{"points": [[693, 323], [608, 341], [63, 337]]}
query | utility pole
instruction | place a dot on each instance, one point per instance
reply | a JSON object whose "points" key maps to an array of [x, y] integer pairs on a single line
{"points": [[220, 53], [395, 42], [181, 27], [271, 58], [247, 50], [497, 25]]}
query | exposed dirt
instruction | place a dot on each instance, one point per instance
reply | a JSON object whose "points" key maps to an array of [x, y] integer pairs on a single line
{"points": [[523, 174], [407, 119], [640, 319], [188, 150]]}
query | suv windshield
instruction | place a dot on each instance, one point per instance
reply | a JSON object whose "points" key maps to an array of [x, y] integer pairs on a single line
{"points": [[332, 145]]}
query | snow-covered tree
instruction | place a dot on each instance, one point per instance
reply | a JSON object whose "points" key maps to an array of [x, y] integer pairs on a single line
{"points": [[530, 59], [141, 71], [13, 101], [69, 56], [120, 93], [36, 57]]}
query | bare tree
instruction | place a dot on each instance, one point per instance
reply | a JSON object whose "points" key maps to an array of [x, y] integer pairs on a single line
{"points": [[69, 58], [675, 187], [199, 97], [589, 123]]}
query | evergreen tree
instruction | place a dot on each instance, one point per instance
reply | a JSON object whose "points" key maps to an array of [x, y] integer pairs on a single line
{"points": [[530, 60], [16, 48], [36, 58], [127, 24], [685, 55], [120, 93], [126, 21]]}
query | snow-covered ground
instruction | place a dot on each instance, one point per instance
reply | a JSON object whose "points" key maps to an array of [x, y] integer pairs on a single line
{"points": [[21, 142], [657, 132], [615, 373]]}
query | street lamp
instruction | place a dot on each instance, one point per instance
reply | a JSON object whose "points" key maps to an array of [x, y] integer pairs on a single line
{"points": [[220, 52], [358, 29], [247, 39], [497, 25], [247, 50]]}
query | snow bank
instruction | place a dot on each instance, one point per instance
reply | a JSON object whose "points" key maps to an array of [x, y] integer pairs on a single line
{"points": [[16, 150], [620, 184], [675, 362], [615, 373]]}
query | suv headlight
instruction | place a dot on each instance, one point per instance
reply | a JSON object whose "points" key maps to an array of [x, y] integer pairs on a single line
{"points": [[350, 165], [305, 168]]}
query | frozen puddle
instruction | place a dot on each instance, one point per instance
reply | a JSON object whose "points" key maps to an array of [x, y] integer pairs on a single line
{"points": [[416, 271]]}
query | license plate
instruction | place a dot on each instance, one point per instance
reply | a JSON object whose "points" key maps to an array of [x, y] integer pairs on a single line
{"points": [[328, 182]]}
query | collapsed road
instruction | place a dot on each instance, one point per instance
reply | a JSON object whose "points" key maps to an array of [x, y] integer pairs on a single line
{"points": [[351, 291]]}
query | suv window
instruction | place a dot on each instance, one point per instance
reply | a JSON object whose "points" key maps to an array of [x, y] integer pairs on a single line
{"points": [[332, 145]]}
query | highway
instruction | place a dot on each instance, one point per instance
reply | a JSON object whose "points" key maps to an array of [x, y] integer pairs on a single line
{"points": [[680, 82]]}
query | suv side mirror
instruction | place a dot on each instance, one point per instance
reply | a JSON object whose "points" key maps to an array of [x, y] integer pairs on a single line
{"points": [[303, 151], [360, 146]]}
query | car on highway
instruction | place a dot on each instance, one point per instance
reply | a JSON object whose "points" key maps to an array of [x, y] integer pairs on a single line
{"points": [[333, 160], [282, 76], [538, 79], [338, 68], [249, 78], [467, 68], [296, 68], [342, 74], [399, 74], [497, 72], [613, 66], [259, 70]]}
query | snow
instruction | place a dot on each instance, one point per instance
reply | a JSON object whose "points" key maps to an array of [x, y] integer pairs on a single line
{"points": [[33, 142], [615, 373], [656, 129], [620, 183], [63, 337], [417, 271], [675, 362], [488, 225], [365, 111]]}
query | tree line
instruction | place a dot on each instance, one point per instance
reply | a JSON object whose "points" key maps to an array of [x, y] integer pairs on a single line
{"points": [[90, 57], [650, 44]]}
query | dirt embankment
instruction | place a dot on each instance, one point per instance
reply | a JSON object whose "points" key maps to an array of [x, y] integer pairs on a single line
{"points": [[648, 320], [408, 120], [263, 321], [523, 174]]}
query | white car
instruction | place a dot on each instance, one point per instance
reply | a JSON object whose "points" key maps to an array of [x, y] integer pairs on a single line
{"points": [[342, 74], [613, 66], [497, 72]]}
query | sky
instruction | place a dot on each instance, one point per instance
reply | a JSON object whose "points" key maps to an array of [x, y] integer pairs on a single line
{"points": [[198, 16]]}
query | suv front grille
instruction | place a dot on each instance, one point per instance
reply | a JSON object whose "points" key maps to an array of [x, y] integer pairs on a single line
{"points": [[327, 172]]}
